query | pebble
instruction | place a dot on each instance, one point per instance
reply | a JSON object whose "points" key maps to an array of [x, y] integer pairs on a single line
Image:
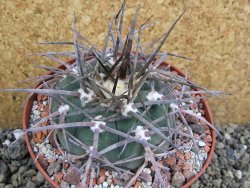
{"points": [[217, 182], [246, 184], [237, 155], [230, 174], [106, 173], [114, 174], [105, 184], [201, 143], [188, 174], [196, 184], [9, 186], [64, 184], [230, 129], [54, 167], [178, 179], [31, 184], [242, 140], [4, 172], [39, 177], [29, 173], [34, 107], [220, 145], [3, 178], [227, 136], [13, 169], [109, 181], [16, 163], [238, 174], [72, 176]]}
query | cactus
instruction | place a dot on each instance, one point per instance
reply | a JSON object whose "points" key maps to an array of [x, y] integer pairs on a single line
{"points": [[124, 123], [117, 106], [117, 84]]}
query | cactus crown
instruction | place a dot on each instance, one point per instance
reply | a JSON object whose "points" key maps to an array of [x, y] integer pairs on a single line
{"points": [[117, 107]]}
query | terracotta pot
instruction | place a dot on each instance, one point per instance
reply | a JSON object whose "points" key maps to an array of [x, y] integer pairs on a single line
{"points": [[26, 119]]}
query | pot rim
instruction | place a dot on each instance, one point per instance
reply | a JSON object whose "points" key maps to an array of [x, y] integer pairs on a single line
{"points": [[32, 97]]}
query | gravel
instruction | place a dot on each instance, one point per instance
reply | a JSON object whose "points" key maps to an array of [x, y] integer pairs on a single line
{"points": [[17, 169], [230, 166]]}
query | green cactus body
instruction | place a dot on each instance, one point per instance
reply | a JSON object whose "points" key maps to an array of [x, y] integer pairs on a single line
{"points": [[85, 134]]}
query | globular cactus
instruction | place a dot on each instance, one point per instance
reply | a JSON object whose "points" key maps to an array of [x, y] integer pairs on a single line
{"points": [[114, 113], [123, 91]]}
